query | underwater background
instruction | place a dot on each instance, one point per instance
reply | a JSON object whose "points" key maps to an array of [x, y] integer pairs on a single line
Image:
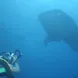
{"points": [[21, 29]]}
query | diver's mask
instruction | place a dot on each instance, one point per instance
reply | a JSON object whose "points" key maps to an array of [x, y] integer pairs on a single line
{"points": [[9, 56], [17, 54]]}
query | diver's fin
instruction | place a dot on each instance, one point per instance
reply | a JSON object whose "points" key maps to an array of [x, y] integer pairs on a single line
{"points": [[47, 40]]}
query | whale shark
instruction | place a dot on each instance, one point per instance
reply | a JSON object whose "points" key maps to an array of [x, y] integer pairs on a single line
{"points": [[59, 26]]}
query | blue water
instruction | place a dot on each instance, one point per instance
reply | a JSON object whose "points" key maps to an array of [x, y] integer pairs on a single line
{"points": [[21, 29]]}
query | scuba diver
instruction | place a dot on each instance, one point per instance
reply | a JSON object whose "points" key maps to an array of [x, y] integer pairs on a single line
{"points": [[8, 63]]}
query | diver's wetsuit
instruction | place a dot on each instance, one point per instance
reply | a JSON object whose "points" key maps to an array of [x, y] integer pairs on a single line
{"points": [[8, 72], [5, 58]]}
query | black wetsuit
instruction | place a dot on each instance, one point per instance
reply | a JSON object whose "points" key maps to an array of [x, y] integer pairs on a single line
{"points": [[8, 72]]}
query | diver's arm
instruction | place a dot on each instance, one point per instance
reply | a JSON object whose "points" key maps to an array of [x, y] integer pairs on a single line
{"points": [[15, 68]]}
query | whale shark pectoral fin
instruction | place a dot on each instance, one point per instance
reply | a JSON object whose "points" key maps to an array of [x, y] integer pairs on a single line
{"points": [[47, 40]]}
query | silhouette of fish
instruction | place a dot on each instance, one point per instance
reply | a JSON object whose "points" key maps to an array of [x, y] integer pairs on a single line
{"points": [[59, 26]]}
